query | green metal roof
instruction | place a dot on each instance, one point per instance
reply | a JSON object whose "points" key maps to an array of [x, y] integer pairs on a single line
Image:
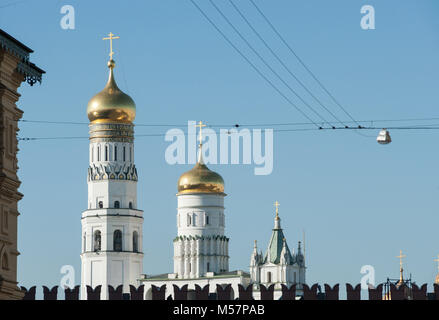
{"points": [[275, 247]]}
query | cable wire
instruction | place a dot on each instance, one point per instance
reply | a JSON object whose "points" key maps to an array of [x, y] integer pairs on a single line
{"points": [[274, 130], [265, 61], [301, 61], [238, 124], [282, 63], [251, 64]]}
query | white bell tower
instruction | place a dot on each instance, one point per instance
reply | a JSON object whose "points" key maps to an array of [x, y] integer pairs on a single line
{"points": [[201, 246], [112, 226]]}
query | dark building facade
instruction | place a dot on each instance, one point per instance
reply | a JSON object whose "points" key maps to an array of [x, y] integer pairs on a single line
{"points": [[15, 68]]}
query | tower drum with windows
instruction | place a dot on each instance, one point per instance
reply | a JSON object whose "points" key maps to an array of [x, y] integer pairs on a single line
{"points": [[112, 225]]}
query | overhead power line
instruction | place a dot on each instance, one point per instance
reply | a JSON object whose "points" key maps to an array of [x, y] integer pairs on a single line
{"points": [[264, 61], [435, 127], [236, 124], [251, 63], [301, 61], [282, 62]]}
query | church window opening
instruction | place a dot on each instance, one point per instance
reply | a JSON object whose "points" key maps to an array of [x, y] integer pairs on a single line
{"points": [[208, 267], [189, 222], [207, 220], [117, 240], [269, 277], [115, 153], [97, 238], [99, 153], [135, 241], [106, 153], [5, 262], [124, 156], [130, 205], [101, 204], [117, 204], [294, 277], [5, 221]]}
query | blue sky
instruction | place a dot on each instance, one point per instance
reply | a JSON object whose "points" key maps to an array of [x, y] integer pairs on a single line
{"points": [[358, 202]]}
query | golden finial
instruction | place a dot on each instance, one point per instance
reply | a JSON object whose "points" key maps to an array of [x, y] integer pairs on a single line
{"points": [[200, 125], [276, 204], [400, 258], [400, 264], [200, 153], [437, 260], [436, 281], [111, 38]]}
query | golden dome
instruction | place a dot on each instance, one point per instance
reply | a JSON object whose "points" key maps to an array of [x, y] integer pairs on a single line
{"points": [[437, 279], [111, 104], [200, 179]]}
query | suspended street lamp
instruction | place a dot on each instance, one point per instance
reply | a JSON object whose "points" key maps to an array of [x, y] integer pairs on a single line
{"points": [[384, 137]]}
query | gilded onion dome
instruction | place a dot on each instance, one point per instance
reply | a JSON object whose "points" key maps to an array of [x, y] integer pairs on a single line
{"points": [[200, 179], [111, 104]]}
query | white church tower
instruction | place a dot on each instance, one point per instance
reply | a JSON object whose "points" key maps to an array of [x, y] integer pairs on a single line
{"points": [[200, 248], [112, 224], [278, 266]]}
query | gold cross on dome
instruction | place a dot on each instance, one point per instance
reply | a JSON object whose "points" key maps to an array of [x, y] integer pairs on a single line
{"points": [[276, 204], [111, 38], [200, 125], [400, 258]]}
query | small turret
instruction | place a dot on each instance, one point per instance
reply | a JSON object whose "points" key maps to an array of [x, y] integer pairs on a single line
{"points": [[255, 257], [284, 256], [300, 258]]}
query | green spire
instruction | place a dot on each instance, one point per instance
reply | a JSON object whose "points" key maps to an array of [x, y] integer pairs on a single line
{"points": [[275, 245]]}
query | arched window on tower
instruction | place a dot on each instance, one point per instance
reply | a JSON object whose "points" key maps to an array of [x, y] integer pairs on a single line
{"points": [[124, 153], [208, 267], [99, 153], [117, 240], [106, 153], [117, 204], [135, 241], [5, 262], [130, 205], [115, 153], [101, 204], [97, 241], [269, 277]]}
